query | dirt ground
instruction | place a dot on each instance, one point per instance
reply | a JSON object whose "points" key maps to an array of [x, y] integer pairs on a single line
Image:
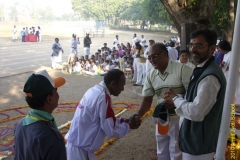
{"points": [[137, 145]]}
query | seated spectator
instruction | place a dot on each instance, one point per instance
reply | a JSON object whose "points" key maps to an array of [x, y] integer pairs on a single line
{"points": [[86, 57], [109, 57], [120, 51], [184, 58], [105, 46], [114, 49], [93, 70], [90, 60], [87, 66], [111, 65], [102, 50], [128, 48], [102, 63], [105, 69], [77, 66], [93, 57], [82, 62], [82, 57], [116, 58], [125, 62], [123, 46], [116, 65], [99, 51]]}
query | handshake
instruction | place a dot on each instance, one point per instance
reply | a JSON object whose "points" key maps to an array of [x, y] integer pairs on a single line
{"points": [[134, 121]]}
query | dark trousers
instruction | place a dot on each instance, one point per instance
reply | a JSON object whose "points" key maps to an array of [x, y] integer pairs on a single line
{"points": [[23, 38]]}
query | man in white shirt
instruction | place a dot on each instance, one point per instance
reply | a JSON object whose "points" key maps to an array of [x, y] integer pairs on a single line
{"points": [[116, 42], [14, 33], [201, 108], [94, 118], [74, 42], [143, 41], [149, 66], [134, 40], [172, 52]]}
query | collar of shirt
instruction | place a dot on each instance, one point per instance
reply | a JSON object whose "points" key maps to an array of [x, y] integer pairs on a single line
{"points": [[102, 84], [202, 64], [167, 70]]}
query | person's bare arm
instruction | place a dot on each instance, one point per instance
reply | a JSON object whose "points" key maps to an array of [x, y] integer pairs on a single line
{"points": [[145, 106]]}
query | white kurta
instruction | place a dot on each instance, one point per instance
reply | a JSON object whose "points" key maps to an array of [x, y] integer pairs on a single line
{"points": [[93, 120], [57, 52], [172, 54], [14, 34]]}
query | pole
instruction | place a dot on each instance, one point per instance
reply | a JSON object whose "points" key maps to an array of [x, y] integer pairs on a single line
{"points": [[230, 90]]}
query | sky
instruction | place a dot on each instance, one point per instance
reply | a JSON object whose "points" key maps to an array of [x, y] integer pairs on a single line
{"points": [[59, 6]]}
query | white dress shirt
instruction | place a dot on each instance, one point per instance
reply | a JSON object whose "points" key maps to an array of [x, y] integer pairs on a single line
{"points": [[172, 54], [202, 104]]}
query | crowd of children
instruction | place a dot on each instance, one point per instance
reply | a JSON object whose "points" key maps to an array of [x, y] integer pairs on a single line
{"points": [[102, 61]]}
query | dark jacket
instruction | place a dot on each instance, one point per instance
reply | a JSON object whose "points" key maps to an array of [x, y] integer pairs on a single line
{"points": [[87, 41], [198, 138], [38, 141]]}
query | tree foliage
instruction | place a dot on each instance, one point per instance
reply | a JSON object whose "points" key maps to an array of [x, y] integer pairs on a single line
{"points": [[111, 10], [221, 19], [219, 12], [100, 9]]}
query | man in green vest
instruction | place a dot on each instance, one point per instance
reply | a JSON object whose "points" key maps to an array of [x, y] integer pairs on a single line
{"points": [[201, 109]]}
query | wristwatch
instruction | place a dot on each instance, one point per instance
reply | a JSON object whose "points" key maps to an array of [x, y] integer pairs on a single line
{"points": [[175, 97]]}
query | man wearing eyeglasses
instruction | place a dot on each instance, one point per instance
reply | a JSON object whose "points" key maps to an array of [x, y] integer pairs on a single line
{"points": [[201, 109], [165, 74]]}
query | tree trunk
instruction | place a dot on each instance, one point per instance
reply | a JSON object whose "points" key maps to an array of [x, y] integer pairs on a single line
{"points": [[183, 11], [229, 31]]}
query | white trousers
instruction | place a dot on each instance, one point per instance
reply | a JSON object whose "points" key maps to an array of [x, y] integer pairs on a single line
{"points": [[14, 36], [149, 66], [186, 156], [167, 145], [135, 62], [74, 50], [141, 73], [76, 153], [86, 51], [90, 73], [55, 65]]}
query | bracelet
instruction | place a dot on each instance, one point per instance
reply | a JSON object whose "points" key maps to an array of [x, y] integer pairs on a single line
{"points": [[175, 97]]}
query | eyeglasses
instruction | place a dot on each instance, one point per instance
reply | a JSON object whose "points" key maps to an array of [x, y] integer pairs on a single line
{"points": [[196, 46], [153, 56]]}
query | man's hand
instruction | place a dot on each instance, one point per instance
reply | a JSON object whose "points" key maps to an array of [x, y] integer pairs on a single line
{"points": [[134, 122], [168, 96]]}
